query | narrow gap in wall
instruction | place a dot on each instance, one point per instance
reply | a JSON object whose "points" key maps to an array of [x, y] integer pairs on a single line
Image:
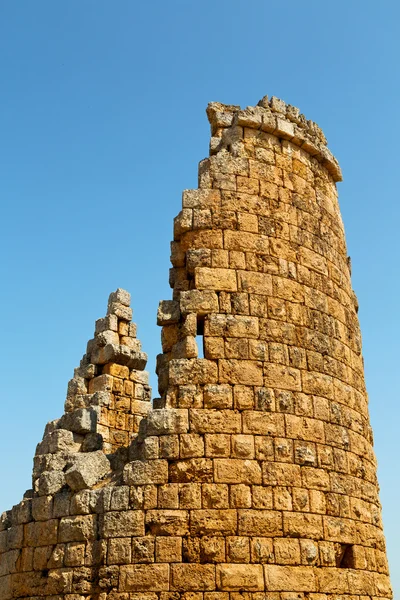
{"points": [[347, 561], [344, 556], [200, 337]]}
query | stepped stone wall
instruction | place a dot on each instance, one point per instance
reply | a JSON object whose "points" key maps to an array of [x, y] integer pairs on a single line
{"points": [[253, 476]]}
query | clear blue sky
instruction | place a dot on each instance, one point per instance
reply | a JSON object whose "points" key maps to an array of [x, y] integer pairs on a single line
{"points": [[102, 124]]}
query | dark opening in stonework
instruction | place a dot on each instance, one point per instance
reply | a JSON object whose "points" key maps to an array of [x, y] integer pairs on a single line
{"points": [[345, 556]]}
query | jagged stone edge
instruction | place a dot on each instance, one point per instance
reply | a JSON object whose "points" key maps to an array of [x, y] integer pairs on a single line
{"points": [[276, 117]]}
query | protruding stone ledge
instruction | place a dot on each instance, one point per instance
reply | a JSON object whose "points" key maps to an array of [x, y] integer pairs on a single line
{"points": [[276, 117]]}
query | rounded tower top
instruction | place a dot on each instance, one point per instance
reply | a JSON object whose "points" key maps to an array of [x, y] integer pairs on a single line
{"points": [[276, 117]]}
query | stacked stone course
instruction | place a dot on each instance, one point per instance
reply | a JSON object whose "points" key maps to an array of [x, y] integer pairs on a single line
{"points": [[253, 477]]}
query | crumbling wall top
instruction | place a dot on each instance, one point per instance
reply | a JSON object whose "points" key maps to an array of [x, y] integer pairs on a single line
{"points": [[278, 118]]}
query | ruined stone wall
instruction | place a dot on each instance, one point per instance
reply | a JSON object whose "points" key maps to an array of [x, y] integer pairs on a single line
{"points": [[253, 477]]}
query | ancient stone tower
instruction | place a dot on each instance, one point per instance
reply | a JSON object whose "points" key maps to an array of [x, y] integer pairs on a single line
{"points": [[253, 478]]}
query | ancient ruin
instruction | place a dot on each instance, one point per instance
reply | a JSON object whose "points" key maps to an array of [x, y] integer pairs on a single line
{"points": [[253, 476]]}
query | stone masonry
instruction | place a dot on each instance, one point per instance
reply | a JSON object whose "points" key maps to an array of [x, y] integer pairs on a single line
{"points": [[253, 476]]}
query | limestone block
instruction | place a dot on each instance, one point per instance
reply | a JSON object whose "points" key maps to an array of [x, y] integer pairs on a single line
{"points": [[50, 482], [87, 470], [201, 302], [116, 370], [214, 421], [315, 479], [284, 129], [164, 421], [123, 523], [218, 396], [119, 551], [22, 512], [281, 474], [121, 296], [190, 495], [110, 322], [287, 551], [5, 587], [167, 522], [339, 530], [231, 326], [120, 310], [144, 578], [42, 533], [262, 497], [168, 312], [14, 537], [215, 279], [215, 495], [332, 580], [201, 198], [264, 523], [213, 522], [77, 385], [120, 354], [56, 582], [309, 552], [143, 549], [8, 563], [382, 583], [202, 238], [302, 428], [317, 384], [192, 577], [195, 371], [255, 283], [192, 469], [240, 577], [246, 241], [259, 422], [217, 445], [237, 471], [303, 525], [62, 440], [191, 445], [291, 579], [185, 348], [83, 420], [168, 549], [243, 446], [262, 550], [107, 337], [142, 473], [79, 528], [246, 372], [282, 377], [183, 222]]}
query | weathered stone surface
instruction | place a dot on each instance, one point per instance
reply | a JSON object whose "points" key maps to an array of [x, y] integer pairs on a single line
{"points": [[78, 528], [87, 470], [144, 578], [140, 473], [165, 421], [83, 420], [50, 482], [252, 476], [240, 577], [168, 312], [123, 523]]}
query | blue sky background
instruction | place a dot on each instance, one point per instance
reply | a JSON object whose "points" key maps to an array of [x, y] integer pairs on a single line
{"points": [[102, 124]]}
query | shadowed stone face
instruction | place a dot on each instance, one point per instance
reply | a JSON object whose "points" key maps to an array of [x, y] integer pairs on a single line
{"points": [[253, 476]]}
